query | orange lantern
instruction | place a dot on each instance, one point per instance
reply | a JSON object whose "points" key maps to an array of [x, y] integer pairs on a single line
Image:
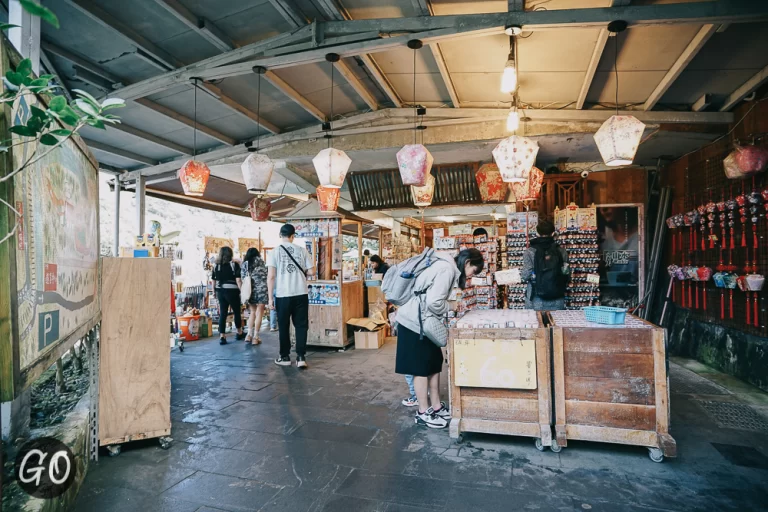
{"points": [[529, 189], [492, 187], [260, 207], [194, 177], [328, 197]]}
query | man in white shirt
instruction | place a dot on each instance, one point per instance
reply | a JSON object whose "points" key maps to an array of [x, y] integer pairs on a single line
{"points": [[288, 267]]}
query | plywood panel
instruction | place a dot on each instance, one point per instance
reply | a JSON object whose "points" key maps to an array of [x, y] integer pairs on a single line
{"points": [[135, 373], [500, 409], [525, 394], [495, 363], [622, 391], [613, 366], [636, 417]]}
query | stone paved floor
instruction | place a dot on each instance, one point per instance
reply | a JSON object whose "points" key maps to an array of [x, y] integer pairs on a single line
{"points": [[253, 436]]}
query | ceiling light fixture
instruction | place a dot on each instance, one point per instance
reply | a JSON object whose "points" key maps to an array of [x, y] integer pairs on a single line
{"points": [[509, 75], [513, 119], [257, 168], [619, 136], [331, 165], [194, 174]]}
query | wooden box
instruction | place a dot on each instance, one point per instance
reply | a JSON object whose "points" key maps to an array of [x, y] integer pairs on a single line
{"points": [[134, 357], [611, 383], [497, 409]]}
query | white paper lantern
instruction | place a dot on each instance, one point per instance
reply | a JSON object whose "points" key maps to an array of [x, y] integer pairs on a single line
{"points": [[331, 166], [257, 172], [415, 164], [422, 196], [618, 139], [515, 157]]}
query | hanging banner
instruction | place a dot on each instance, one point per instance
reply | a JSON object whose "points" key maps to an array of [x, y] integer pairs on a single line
{"points": [[460, 229], [322, 294], [213, 244], [243, 244], [518, 222]]}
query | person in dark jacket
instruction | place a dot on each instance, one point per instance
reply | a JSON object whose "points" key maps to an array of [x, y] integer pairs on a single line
{"points": [[379, 265], [227, 283], [544, 244]]}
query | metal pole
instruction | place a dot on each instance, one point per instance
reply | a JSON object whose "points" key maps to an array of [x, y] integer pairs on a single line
{"points": [[116, 245], [141, 200]]}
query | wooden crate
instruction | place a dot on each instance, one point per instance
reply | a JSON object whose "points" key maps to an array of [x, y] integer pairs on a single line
{"points": [[611, 385], [135, 357], [515, 412]]}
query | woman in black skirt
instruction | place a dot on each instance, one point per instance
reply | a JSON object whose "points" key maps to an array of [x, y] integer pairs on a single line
{"points": [[420, 357]]}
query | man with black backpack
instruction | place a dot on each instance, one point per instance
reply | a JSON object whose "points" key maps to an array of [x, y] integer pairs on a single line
{"points": [[288, 266], [545, 269]]}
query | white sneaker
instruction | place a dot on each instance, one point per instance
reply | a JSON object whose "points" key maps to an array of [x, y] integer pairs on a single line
{"points": [[442, 413], [430, 419]]}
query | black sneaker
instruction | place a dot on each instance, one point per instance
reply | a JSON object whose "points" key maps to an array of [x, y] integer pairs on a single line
{"points": [[301, 363], [223, 341], [429, 419], [240, 337], [283, 361]]}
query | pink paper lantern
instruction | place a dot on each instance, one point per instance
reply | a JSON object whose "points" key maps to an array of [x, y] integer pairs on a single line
{"points": [[331, 166], [194, 177], [618, 139], [415, 163], [492, 187], [515, 157], [257, 172], [422, 196]]}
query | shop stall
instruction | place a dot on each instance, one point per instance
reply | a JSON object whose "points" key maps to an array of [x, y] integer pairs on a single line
{"points": [[336, 292]]}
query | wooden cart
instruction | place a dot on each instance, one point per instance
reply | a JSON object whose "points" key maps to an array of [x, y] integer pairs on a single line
{"points": [[611, 383], [501, 409]]}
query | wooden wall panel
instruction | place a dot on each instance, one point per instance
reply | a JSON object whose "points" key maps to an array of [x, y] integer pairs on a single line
{"points": [[610, 366], [135, 356], [618, 391], [635, 417], [500, 409], [617, 186]]}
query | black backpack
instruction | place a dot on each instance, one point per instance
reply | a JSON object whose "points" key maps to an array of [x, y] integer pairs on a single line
{"points": [[548, 266]]}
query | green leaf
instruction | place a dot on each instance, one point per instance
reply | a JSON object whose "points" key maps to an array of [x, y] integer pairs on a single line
{"points": [[84, 96], [112, 103], [23, 130], [14, 78], [49, 140], [25, 67], [38, 10], [38, 112], [87, 107], [58, 103], [40, 82], [27, 80], [6, 26], [96, 124], [35, 123], [69, 119], [61, 132]]}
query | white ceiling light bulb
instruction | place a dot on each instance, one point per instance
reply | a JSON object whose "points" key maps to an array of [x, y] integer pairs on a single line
{"points": [[509, 76], [513, 120]]}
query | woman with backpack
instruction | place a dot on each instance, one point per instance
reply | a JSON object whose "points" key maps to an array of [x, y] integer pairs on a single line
{"points": [[227, 283], [419, 322], [545, 269], [255, 270]]}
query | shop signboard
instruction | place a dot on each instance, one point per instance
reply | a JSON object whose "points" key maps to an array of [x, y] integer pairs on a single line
{"points": [[460, 229], [620, 243], [517, 222], [213, 244], [323, 294], [243, 244], [487, 363]]}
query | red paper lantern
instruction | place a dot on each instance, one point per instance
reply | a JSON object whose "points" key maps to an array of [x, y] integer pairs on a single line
{"points": [[260, 207], [529, 189], [194, 177], [492, 187], [328, 197]]}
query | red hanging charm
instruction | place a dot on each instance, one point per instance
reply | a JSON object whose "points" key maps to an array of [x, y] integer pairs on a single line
{"points": [[730, 306], [697, 295], [704, 295], [722, 305], [749, 321], [756, 298]]}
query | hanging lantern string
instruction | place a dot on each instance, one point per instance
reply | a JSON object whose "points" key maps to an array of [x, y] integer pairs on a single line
{"points": [[330, 123], [616, 68], [258, 110], [415, 105], [194, 130]]}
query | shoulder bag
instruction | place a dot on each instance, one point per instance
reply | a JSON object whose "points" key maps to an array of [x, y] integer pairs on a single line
{"points": [[294, 261], [247, 288]]}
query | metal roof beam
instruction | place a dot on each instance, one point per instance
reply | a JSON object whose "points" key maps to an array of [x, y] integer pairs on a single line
{"points": [[234, 106], [288, 11], [356, 84], [378, 76], [424, 8], [129, 155], [122, 127], [181, 118], [696, 44], [80, 61], [294, 95], [745, 90], [51, 69], [202, 26]]}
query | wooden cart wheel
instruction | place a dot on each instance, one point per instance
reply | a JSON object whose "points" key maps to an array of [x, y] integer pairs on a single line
{"points": [[656, 454], [460, 439], [555, 447], [181, 347], [165, 442], [114, 450], [539, 445]]}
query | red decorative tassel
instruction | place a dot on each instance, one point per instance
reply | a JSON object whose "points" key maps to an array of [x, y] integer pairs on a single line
{"points": [[730, 305], [722, 305], [743, 235], [690, 302], [711, 239], [695, 238], [703, 245], [682, 294], [754, 236], [732, 247], [704, 295], [749, 321], [697, 296], [757, 321]]}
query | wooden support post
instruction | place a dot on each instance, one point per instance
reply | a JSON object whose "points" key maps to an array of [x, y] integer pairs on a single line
{"points": [[666, 442], [141, 204], [559, 394], [544, 386]]}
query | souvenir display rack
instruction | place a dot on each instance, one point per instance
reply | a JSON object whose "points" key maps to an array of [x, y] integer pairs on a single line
{"points": [[576, 232], [517, 241]]}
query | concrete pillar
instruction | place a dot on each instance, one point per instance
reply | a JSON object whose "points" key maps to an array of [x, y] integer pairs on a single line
{"points": [[141, 204], [116, 248], [26, 38]]}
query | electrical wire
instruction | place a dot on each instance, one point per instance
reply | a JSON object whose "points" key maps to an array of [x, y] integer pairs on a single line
{"points": [[616, 68], [194, 130]]}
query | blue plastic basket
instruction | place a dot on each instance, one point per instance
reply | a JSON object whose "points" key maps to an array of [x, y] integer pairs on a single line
{"points": [[605, 315]]}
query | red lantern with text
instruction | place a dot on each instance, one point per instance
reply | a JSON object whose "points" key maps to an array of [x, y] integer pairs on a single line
{"points": [[529, 189], [328, 198], [194, 177], [260, 208], [492, 187]]}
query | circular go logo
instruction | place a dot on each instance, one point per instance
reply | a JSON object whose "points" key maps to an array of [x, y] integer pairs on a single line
{"points": [[45, 468]]}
